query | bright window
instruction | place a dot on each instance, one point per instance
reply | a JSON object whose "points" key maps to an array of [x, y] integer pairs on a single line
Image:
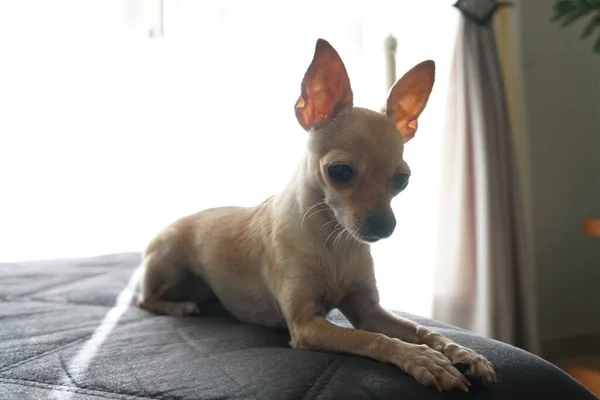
{"points": [[106, 134]]}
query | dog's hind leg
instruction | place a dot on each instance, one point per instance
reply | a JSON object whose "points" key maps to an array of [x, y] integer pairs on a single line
{"points": [[161, 276], [168, 286]]}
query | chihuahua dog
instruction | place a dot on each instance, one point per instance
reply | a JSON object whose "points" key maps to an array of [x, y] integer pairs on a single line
{"points": [[290, 260]]}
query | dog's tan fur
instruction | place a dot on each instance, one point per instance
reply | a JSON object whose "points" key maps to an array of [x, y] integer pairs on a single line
{"points": [[289, 261]]}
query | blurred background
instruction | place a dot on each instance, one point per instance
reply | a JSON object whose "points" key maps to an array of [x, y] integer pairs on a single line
{"points": [[118, 116]]}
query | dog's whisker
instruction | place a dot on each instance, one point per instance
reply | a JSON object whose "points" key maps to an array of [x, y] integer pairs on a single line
{"points": [[348, 235], [353, 234], [327, 223], [316, 212], [338, 236], [333, 232], [340, 231], [313, 206], [308, 210]]}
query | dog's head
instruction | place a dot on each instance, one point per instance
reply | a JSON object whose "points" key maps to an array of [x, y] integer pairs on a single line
{"points": [[355, 154]]}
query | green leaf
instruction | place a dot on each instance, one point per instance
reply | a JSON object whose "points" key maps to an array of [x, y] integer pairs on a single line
{"points": [[568, 11], [597, 46], [575, 10], [565, 6], [574, 16], [562, 8], [593, 24]]}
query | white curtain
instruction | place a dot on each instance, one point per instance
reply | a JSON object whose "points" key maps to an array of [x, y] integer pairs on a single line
{"points": [[108, 134], [484, 278]]}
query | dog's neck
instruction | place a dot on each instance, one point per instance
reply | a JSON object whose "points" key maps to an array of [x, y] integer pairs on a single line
{"points": [[302, 205]]}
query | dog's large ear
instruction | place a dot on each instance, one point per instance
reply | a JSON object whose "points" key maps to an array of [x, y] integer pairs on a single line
{"points": [[325, 88], [408, 98]]}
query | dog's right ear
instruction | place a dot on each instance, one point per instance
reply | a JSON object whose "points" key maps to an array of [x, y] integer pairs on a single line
{"points": [[325, 88]]}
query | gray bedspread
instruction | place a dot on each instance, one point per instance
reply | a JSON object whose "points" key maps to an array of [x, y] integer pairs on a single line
{"points": [[69, 330]]}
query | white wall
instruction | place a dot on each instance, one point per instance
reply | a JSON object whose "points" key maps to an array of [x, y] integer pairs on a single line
{"points": [[562, 89]]}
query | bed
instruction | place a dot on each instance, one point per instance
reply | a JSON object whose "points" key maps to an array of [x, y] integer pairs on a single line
{"points": [[69, 330]]}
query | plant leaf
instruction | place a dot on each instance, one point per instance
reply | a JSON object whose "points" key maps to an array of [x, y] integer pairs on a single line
{"points": [[562, 8], [593, 24], [568, 11], [571, 10], [597, 46], [574, 16]]}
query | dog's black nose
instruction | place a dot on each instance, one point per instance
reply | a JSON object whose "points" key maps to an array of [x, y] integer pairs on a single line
{"points": [[381, 225]]}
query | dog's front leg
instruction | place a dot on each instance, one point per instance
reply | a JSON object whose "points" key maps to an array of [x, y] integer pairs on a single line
{"points": [[364, 311], [309, 330]]}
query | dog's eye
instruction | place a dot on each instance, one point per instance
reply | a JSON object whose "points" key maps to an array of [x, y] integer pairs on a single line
{"points": [[340, 172], [401, 181]]}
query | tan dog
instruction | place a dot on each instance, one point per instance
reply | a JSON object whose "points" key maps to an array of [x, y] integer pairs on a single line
{"points": [[298, 255]]}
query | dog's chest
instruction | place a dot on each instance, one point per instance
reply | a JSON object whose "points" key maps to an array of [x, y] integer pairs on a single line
{"points": [[337, 276], [323, 281], [252, 302]]}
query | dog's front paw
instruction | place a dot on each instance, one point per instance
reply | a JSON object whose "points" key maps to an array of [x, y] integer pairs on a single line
{"points": [[431, 368], [470, 363]]}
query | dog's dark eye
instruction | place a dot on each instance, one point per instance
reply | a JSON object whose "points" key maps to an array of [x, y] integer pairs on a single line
{"points": [[401, 181], [340, 172]]}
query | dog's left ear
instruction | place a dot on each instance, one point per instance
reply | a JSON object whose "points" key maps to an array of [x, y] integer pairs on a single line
{"points": [[408, 98], [325, 88]]}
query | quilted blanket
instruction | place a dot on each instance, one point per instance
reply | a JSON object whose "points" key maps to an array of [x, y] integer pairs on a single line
{"points": [[69, 330]]}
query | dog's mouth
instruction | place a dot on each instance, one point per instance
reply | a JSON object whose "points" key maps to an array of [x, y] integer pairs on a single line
{"points": [[357, 229], [375, 227], [369, 239], [363, 237]]}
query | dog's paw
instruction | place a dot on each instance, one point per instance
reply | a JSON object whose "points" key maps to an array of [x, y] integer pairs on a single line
{"points": [[470, 363], [182, 309], [430, 368]]}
